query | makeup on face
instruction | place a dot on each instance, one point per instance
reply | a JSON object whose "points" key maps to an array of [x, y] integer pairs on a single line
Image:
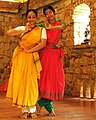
{"points": [[31, 17], [49, 14]]}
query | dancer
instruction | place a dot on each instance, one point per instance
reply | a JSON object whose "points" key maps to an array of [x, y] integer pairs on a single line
{"points": [[51, 83], [26, 67]]}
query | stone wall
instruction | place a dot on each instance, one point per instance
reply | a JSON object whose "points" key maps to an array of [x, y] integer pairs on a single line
{"points": [[79, 62], [11, 15], [80, 72]]}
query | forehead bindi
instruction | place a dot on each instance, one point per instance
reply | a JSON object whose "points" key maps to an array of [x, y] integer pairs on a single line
{"points": [[48, 11]]}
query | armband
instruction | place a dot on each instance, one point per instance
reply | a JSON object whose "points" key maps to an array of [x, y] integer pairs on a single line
{"points": [[40, 24], [63, 23]]}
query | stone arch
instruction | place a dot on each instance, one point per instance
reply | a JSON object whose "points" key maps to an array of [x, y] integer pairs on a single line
{"points": [[81, 23]]}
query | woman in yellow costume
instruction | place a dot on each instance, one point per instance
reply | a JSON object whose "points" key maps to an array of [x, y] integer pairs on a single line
{"points": [[26, 67]]}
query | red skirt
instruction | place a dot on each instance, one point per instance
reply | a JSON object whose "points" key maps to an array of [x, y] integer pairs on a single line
{"points": [[52, 82], [4, 87]]}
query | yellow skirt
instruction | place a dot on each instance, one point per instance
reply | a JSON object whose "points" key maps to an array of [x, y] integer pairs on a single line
{"points": [[23, 85]]}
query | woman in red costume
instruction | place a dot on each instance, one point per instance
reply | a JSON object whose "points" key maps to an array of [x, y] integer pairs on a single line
{"points": [[51, 83]]}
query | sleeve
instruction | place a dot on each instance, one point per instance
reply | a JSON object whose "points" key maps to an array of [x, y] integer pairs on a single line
{"points": [[43, 34], [20, 28]]}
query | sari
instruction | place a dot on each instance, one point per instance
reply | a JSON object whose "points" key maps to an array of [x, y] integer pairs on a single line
{"points": [[52, 81], [25, 70]]}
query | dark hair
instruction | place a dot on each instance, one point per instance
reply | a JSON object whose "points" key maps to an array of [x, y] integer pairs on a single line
{"points": [[31, 10], [48, 7]]}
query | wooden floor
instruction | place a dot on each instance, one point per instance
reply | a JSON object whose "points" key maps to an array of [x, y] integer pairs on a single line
{"points": [[68, 109]]}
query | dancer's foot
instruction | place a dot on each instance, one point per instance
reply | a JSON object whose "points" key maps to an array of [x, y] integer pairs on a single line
{"points": [[38, 109], [52, 114], [24, 115], [32, 115]]}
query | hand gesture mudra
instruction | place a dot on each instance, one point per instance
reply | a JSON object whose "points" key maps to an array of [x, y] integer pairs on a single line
{"points": [[47, 24]]}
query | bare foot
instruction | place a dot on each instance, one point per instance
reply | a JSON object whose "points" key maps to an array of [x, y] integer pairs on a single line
{"points": [[52, 114], [24, 115], [38, 109], [32, 115]]}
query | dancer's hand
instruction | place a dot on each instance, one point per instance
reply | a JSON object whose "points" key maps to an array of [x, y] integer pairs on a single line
{"points": [[27, 28], [47, 25], [46, 22], [24, 49]]}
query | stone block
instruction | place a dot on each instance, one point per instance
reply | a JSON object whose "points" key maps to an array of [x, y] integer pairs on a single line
{"points": [[67, 3], [12, 7]]}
